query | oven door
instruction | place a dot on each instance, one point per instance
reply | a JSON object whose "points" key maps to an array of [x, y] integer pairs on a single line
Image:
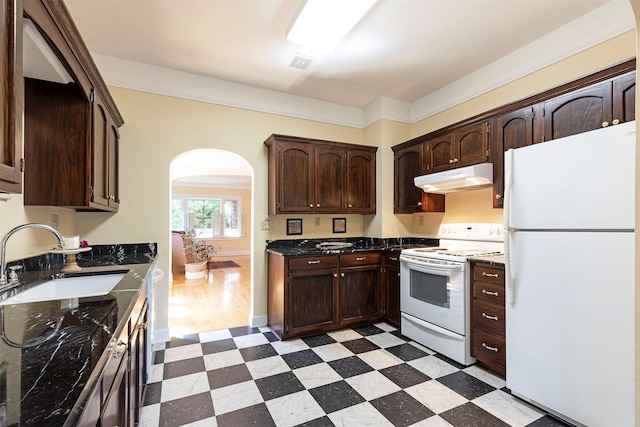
{"points": [[434, 291]]}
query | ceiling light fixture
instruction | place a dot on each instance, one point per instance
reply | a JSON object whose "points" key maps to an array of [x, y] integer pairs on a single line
{"points": [[323, 23]]}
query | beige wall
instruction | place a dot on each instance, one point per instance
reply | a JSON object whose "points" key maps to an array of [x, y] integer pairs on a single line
{"points": [[158, 128]]}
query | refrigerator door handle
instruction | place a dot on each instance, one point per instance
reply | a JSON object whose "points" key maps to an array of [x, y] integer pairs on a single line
{"points": [[508, 161]]}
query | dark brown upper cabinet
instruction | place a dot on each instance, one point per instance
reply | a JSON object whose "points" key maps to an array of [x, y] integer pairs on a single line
{"points": [[12, 95], [71, 137], [624, 98], [316, 176], [462, 147], [510, 130], [408, 162]]}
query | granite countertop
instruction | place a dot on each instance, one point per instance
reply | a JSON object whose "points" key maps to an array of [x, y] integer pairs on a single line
{"points": [[49, 382], [309, 247], [488, 259]]}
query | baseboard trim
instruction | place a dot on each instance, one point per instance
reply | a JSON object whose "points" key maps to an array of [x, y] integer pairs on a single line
{"points": [[257, 321]]}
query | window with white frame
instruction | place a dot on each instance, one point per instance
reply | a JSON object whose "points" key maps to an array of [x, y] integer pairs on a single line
{"points": [[208, 216]]}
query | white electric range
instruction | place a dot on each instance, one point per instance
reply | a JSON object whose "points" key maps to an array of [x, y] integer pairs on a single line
{"points": [[435, 287]]}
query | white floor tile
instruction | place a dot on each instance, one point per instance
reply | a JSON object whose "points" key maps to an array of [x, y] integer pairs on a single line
{"points": [[284, 347], [207, 422], [380, 359], [266, 367], [182, 352], [359, 415], [345, 335], [436, 396], [236, 396], [385, 326], [435, 421], [222, 359], [222, 334], [183, 386], [157, 373], [485, 376], [385, 340], [433, 366], [333, 351], [150, 416], [250, 340], [509, 409], [317, 375], [372, 385], [294, 409]]}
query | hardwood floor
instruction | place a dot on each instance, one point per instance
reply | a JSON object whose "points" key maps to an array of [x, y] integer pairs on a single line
{"points": [[220, 301]]}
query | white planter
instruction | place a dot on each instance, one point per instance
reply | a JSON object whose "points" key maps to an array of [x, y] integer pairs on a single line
{"points": [[195, 271]]}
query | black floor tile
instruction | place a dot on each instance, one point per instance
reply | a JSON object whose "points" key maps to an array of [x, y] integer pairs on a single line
{"points": [[243, 330], [335, 396], [183, 367], [401, 409], [257, 415], [218, 346], [466, 385], [368, 330], [185, 340], [350, 366], [257, 352], [223, 377], [270, 336], [279, 385], [407, 352], [186, 410], [158, 357], [152, 393], [548, 421], [318, 340], [300, 359], [361, 345], [471, 415], [318, 422], [404, 375]]}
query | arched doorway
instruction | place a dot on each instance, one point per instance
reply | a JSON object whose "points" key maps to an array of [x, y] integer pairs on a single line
{"points": [[211, 197]]}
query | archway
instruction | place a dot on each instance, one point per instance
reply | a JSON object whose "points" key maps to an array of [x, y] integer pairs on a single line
{"points": [[211, 196]]}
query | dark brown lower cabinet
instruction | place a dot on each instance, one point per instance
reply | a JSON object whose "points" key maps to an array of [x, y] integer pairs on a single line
{"points": [[310, 295], [391, 288]]}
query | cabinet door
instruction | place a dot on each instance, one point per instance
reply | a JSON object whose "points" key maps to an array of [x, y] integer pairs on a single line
{"points": [[361, 182], [512, 130], [407, 164], [392, 289], [312, 300], [624, 98], [470, 145], [329, 179], [359, 294], [576, 112], [100, 154], [137, 366], [441, 152], [114, 410], [12, 95], [295, 178]]}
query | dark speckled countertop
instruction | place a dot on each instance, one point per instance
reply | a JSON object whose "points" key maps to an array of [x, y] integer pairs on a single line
{"points": [[48, 384], [305, 247]]}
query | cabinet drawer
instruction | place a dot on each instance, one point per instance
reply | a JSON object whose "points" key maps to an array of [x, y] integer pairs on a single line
{"points": [[364, 258], [306, 263], [392, 258], [489, 274], [490, 350], [493, 294], [489, 318]]}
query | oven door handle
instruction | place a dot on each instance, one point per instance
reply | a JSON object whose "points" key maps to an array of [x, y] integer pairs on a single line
{"points": [[433, 266]]}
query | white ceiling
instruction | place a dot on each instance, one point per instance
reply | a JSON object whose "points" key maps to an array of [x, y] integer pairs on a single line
{"points": [[400, 61]]}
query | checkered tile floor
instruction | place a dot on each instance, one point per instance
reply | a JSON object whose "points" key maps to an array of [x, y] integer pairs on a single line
{"points": [[369, 376]]}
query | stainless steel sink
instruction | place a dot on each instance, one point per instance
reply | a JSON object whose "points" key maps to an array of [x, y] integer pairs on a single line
{"points": [[68, 287]]}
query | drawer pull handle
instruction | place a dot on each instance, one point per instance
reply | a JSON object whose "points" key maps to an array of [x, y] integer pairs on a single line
{"points": [[393, 258], [361, 258], [484, 291], [317, 261], [489, 347], [490, 275], [486, 316], [121, 347]]}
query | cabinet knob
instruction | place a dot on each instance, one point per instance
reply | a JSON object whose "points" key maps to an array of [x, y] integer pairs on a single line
{"points": [[341, 274], [350, 205], [419, 203], [317, 205], [605, 124], [335, 274], [615, 122], [456, 160], [310, 205], [450, 160], [498, 196]]}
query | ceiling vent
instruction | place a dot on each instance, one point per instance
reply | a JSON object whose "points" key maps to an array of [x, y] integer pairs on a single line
{"points": [[301, 61]]}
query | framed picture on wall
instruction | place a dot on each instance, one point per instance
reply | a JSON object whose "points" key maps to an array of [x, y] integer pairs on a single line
{"points": [[339, 225], [294, 226]]}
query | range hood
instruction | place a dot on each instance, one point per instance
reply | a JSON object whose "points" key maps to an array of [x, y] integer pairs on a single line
{"points": [[466, 178]]}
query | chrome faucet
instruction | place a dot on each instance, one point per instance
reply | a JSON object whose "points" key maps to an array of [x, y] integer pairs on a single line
{"points": [[3, 264]]}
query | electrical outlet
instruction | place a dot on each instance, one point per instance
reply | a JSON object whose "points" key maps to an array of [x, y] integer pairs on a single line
{"points": [[265, 224], [421, 220], [317, 221], [55, 220]]}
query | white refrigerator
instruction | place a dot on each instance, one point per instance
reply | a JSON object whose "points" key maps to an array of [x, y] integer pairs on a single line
{"points": [[569, 254]]}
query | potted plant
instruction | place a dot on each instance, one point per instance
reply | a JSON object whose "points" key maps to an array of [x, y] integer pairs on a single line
{"points": [[198, 253]]}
